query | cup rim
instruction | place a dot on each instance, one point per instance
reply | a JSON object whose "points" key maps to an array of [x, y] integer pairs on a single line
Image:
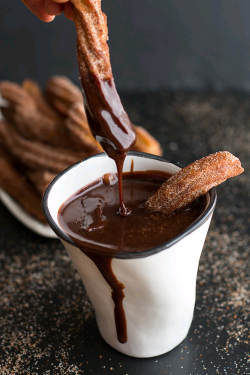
{"points": [[128, 255]]}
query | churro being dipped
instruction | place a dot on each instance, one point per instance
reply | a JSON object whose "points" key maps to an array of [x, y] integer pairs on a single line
{"points": [[106, 116]]}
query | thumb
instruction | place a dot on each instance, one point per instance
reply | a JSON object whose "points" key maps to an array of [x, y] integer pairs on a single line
{"points": [[37, 7]]}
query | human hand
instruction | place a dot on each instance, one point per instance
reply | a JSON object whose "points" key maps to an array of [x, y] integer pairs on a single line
{"points": [[46, 10]]}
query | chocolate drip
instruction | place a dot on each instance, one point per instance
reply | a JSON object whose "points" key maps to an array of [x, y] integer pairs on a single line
{"points": [[103, 263], [109, 123], [111, 127]]}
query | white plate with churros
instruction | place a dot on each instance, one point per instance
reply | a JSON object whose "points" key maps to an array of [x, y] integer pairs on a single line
{"points": [[42, 132]]}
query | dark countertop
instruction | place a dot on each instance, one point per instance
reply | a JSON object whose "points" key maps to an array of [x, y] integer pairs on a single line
{"points": [[47, 322]]}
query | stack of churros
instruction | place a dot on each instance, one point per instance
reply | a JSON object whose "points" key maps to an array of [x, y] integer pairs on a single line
{"points": [[44, 132]]}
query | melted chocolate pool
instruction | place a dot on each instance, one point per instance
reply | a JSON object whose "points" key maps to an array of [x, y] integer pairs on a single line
{"points": [[91, 218]]}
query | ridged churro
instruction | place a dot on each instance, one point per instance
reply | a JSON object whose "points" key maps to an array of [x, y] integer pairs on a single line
{"points": [[92, 36], [78, 127], [61, 93], [36, 155], [194, 181], [24, 111], [17, 185], [40, 179], [42, 105]]}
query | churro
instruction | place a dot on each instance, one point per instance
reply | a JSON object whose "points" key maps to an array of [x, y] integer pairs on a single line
{"points": [[42, 105], [92, 36], [108, 121], [146, 142], [24, 112], [17, 185], [61, 93], [40, 179], [78, 127], [36, 155], [194, 181]]}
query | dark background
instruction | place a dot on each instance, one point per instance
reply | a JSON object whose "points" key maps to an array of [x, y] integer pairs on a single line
{"points": [[153, 44], [47, 323]]}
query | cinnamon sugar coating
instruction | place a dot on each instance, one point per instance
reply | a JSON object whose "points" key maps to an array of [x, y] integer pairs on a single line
{"points": [[194, 181], [92, 36]]}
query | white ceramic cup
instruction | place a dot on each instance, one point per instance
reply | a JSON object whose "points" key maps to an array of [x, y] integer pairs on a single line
{"points": [[160, 283]]}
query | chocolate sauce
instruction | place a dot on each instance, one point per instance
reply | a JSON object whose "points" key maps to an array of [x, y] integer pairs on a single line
{"points": [[109, 123], [90, 218], [103, 263]]}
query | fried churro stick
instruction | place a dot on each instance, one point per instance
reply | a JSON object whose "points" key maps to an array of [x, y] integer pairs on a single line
{"points": [[146, 143], [36, 155], [62, 93], [42, 105], [16, 185], [194, 181], [24, 114], [15, 96], [108, 121], [79, 130], [34, 119], [40, 179], [14, 93], [92, 36]]}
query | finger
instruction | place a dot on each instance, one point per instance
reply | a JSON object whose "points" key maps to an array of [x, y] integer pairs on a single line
{"points": [[61, 1], [67, 9], [37, 7], [52, 8]]}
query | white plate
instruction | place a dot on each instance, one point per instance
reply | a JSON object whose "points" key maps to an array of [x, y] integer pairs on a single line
{"points": [[27, 220]]}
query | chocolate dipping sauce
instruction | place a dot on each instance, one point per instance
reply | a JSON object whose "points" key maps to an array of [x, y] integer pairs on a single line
{"points": [[109, 123], [91, 218]]}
